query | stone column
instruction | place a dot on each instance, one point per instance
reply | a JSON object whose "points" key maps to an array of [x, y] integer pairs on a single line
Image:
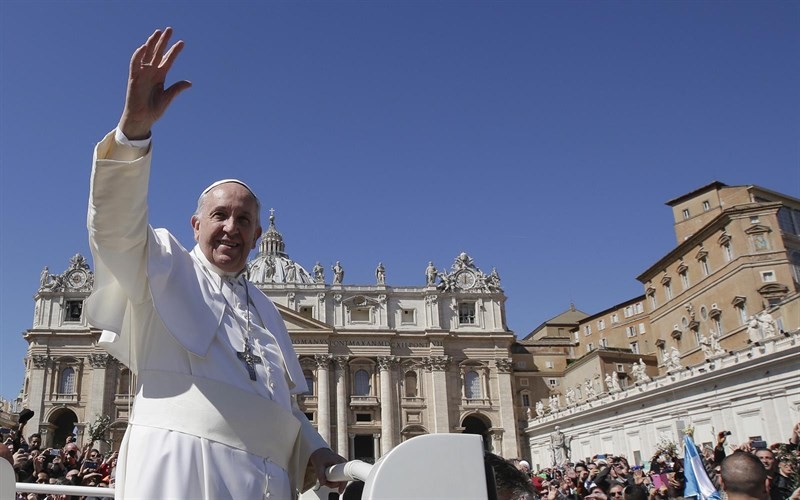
{"points": [[37, 392], [506, 397], [432, 311], [99, 362], [341, 407], [351, 440], [376, 445], [385, 364], [437, 365], [323, 397]]}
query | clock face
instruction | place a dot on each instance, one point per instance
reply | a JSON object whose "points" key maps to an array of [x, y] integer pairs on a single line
{"points": [[465, 280], [77, 279]]}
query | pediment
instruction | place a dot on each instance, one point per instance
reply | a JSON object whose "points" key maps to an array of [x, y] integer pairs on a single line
{"points": [[295, 322], [758, 229]]}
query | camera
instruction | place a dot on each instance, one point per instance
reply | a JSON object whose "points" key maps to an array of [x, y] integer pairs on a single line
{"points": [[55, 452], [89, 465], [726, 433], [759, 445]]}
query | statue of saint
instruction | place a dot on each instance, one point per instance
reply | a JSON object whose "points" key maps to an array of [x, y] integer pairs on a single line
{"points": [[319, 273], [430, 274], [44, 277], [559, 445], [338, 273], [380, 274], [590, 392], [615, 382], [754, 335], [767, 324], [539, 409], [570, 396], [291, 272]]}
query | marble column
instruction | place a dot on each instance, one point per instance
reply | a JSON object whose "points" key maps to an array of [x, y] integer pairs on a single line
{"points": [[440, 405], [376, 445], [506, 396], [37, 391], [99, 362], [323, 397], [385, 363], [342, 442]]}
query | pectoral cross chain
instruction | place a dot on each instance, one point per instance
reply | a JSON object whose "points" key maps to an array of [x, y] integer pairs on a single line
{"points": [[249, 359]]}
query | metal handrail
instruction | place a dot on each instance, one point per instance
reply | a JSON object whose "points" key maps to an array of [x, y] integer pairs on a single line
{"points": [[62, 489]]}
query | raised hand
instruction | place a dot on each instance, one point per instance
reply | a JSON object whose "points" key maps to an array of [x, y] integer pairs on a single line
{"points": [[146, 99]]}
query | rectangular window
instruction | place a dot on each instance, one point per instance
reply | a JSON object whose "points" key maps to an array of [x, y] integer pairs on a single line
{"points": [[706, 206], [526, 401], [653, 301], [685, 213], [635, 347], [521, 365], [587, 330], [604, 343], [589, 347], [767, 276], [359, 314], [309, 415], [718, 324], [74, 310], [631, 331], [685, 280], [577, 336], [614, 319], [601, 324], [552, 382], [620, 368], [668, 291], [523, 382], [706, 269], [363, 417], [742, 310], [307, 312], [638, 307], [548, 364], [641, 328], [407, 317], [466, 313], [628, 311], [728, 251]]}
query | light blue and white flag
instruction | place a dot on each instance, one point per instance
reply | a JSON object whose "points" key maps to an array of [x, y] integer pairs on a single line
{"points": [[698, 485]]}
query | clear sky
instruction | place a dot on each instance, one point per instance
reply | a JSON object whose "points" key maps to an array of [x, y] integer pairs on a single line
{"points": [[542, 138]]}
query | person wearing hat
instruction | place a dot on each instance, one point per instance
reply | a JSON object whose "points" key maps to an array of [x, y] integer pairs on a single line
{"points": [[214, 414]]}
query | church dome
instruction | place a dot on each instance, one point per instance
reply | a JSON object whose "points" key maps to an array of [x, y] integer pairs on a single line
{"points": [[272, 264]]}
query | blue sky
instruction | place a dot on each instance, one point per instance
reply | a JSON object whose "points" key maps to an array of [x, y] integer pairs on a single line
{"points": [[542, 138]]}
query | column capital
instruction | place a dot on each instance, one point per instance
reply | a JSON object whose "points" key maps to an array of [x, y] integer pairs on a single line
{"points": [[503, 365], [436, 363], [100, 360], [340, 362], [40, 360], [386, 362], [323, 361]]}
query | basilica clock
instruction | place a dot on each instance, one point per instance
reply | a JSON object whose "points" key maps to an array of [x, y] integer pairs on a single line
{"points": [[465, 279]]}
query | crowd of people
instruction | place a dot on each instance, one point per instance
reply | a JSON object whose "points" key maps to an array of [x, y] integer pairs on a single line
{"points": [[753, 470], [71, 465]]}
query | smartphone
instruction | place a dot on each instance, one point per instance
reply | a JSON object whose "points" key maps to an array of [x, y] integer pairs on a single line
{"points": [[660, 480], [759, 445], [89, 465], [55, 452]]}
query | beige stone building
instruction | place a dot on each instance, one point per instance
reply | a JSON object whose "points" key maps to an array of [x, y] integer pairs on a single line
{"points": [[384, 363]]}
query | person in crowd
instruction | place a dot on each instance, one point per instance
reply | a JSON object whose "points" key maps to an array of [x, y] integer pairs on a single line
{"points": [[510, 482], [216, 371], [744, 477], [784, 482]]}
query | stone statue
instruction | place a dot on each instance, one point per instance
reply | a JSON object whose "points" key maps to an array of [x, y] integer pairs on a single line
{"points": [[615, 382], [380, 274], [319, 273], [609, 386], [338, 273], [528, 413], [753, 330], [716, 348], [430, 274], [291, 272], [705, 345], [570, 397], [690, 310], [554, 403], [539, 409], [44, 277], [767, 324], [493, 280], [674, 362], [559, 445], [640, 372], [590, 392], [269, 271]]}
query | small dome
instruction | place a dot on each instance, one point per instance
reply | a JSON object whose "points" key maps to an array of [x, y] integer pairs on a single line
{"points": [[272, 264]]}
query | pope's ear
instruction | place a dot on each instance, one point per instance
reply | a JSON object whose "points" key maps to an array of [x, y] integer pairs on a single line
{"points": [[258, 235], [195, 222]]}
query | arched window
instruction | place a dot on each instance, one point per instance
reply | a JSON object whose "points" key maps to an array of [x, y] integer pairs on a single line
{"points": [[472, 385], [362, 387], [309, 381], [411, 384], [124, 385], [67, 385]]}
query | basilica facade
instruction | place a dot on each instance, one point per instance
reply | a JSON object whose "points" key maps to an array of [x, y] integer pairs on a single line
{"points": [[383, 363]]}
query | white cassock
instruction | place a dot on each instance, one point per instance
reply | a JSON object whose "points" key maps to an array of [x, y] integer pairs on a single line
{"points": [[200, 428]]}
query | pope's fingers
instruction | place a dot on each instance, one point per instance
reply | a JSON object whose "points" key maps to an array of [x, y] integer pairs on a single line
{"points": [[160, 47], [150, 47], [169, 58]]}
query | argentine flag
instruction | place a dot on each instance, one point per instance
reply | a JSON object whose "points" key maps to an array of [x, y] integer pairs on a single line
{"points": [[698, 485]]}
